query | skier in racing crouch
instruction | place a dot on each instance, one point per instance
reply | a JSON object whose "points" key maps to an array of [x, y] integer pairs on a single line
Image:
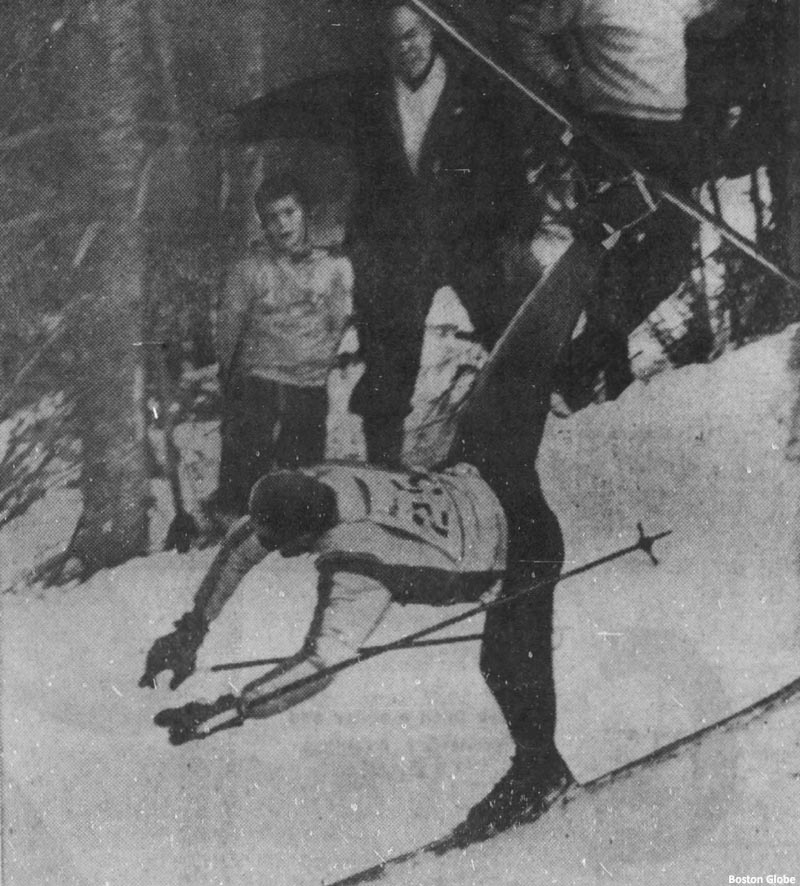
{"points": [[409, 537], [478, 529]]}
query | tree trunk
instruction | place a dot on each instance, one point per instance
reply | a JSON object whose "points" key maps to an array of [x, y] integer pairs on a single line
{"points": [[116, 494], [792, 104], [245, 164]]}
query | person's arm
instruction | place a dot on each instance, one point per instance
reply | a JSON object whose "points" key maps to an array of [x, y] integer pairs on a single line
{"points": [[532, 32], [197, 720], [240, 551], [340, 298]]}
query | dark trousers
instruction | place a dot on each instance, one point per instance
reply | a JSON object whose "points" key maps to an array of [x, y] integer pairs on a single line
{"points": [[516, 653], [394, 288], [267, 425], [383, 437], [500, 434]]}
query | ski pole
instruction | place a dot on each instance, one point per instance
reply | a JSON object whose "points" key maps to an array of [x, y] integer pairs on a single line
{"points": [[684, 204], [409, 641], [256, 662]]}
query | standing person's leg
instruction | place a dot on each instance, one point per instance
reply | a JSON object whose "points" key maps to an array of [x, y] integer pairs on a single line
{"points": [[259, 414], [301, 440], [230, 493], [392, 294], [384, 437], [383, 394], [477, 278]]}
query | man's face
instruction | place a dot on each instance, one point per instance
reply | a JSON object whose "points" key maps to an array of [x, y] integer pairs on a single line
{"points": [[284, 220], [410, 43]]}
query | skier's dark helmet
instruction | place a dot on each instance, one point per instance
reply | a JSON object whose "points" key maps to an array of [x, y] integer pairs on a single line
{"points": [[289, 506]]}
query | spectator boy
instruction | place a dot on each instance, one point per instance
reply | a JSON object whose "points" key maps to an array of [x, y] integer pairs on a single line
{"points": [[282, 315]]}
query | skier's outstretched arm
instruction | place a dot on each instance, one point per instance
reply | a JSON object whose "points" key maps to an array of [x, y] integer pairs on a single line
{"points": [[239, 552], [289, 511], [350, 607]]}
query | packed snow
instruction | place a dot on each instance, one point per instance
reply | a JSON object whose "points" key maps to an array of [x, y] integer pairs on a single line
{"points": [[397, 749]]}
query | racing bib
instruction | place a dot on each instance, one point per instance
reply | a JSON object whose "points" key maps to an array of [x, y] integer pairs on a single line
{"points": [[455, 513], [421, 506]]}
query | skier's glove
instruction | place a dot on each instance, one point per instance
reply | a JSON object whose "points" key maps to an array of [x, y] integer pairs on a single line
{"points": [[176, 652], [191, 721]]}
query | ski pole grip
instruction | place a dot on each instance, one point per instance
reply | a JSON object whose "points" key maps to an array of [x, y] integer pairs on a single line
{"points": [[646, 542]]}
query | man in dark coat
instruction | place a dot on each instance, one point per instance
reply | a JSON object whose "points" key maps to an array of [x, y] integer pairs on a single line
{"points": [[440, 180]]}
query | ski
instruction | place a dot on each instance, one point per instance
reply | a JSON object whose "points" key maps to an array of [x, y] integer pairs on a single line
{"points": [[540, 328], [739, 720]]}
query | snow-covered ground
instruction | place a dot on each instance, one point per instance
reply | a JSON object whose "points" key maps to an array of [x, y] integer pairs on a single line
{"points": [[396, 751]]}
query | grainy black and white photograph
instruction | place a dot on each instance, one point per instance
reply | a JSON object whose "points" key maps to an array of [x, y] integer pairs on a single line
{"points": [[400, 442]]}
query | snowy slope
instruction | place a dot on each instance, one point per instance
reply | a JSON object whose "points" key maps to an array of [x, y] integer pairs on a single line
{"points": [[711, 812], [397, 749]]}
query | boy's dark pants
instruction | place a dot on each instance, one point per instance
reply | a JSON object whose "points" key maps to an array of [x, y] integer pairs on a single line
{"points": [[266, 425]]}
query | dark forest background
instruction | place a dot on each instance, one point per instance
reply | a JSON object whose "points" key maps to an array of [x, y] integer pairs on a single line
{"points": [[118, 217]]}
